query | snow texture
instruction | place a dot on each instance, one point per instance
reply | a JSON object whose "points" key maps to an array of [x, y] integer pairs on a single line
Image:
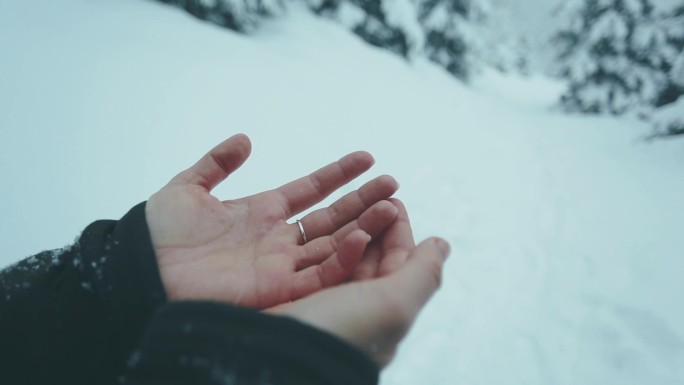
{"points": [[452, 33], [565, 230], [617, 56]]}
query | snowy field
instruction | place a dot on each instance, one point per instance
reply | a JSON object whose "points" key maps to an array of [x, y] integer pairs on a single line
{"points": [[566, 232]]}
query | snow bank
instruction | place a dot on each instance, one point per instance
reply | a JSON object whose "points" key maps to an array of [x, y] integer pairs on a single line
{"points": [[566, 231]]}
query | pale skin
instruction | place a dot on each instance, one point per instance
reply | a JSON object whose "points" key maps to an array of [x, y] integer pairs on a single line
{"points": [[359, 277], [391, 285], [244, 251]]}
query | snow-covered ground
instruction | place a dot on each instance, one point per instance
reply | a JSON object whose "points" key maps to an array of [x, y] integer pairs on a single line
{"points": [[566, 231]]}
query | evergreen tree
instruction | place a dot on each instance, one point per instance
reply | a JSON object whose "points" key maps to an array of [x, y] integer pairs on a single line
{"points": [[462, 36], [238, 15], [443, 30], [445, 23], [618, 54], [389, 24]]}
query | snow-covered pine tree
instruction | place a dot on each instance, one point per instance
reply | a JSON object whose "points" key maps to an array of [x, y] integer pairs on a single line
{"points": [[445, 24], [670, 35], [389, 24], [442, 30], [618, 54], [238, 15], [669, 119], [462, 35], [451, 33]]}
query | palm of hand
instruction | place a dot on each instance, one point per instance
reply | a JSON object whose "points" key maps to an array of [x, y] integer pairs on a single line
{"points": [[387, 290], [235, 251], [243, 251]]}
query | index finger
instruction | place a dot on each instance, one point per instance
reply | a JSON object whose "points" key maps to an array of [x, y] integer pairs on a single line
{"points": [[305, 192], [217, 164]]}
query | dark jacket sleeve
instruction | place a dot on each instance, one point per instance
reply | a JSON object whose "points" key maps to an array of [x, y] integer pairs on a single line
{"points": [[214, 344], [96, 313], [74, 315]]}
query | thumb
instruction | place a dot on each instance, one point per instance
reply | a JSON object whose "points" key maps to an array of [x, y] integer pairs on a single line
{"points": [[421, 275], [217, 164]]}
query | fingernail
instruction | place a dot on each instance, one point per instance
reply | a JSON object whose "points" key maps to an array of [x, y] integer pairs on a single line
{"points": [[443, 246]]}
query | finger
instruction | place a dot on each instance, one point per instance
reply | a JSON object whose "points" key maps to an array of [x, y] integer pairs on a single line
{"points": [[421, 276], [368, 267], [348, 208], [389, 252], [333, 270], [217, 164], [373, 222], [305, 192], [397, 241]]}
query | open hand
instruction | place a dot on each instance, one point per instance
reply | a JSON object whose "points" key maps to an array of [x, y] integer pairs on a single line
{"points": [[243, 251], [392, 284]]}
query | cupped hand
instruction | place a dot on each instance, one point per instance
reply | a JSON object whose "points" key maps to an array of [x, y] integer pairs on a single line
{"points": [[389, 288], [244, 251]]}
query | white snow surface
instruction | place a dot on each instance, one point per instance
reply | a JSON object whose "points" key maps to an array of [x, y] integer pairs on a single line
{"points": [[566, 231]]}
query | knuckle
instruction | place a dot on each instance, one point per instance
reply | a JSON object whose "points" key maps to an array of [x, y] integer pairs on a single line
{"points": [[334, 216], [347, 171], [317, 185], [322, 276], [334, 243]]}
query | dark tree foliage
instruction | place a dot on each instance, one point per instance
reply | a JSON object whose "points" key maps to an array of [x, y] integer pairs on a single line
{"points": [[377, 31], [373, 28], [438, 20], [617, 56], [675, 128], [445, 44], [237, 15]]}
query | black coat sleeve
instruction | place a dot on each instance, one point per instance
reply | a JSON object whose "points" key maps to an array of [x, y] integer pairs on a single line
{"points": [[214, 344], [96, 313], [74, 315]]}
